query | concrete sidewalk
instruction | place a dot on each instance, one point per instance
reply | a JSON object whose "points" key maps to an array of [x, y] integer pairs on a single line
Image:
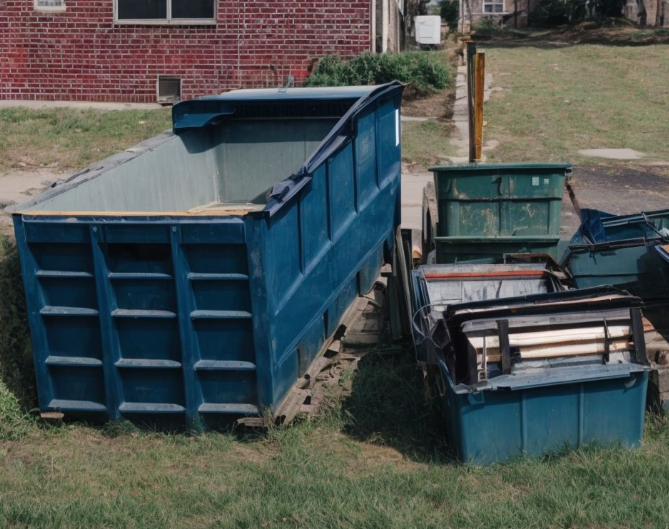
{"points": [[412, 199], [78, 104]]}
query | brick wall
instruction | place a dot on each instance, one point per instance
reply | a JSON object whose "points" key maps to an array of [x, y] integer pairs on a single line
{"points": [[81, 55]]}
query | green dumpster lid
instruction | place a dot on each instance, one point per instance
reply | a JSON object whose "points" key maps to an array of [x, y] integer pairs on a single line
{"points": [[499, 167]]}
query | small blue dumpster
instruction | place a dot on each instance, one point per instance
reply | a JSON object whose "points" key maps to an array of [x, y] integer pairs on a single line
{"points": [[197, 276], [526, 368]]}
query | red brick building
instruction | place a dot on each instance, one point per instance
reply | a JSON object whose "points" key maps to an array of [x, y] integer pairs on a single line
{"points": [[118, 50]]}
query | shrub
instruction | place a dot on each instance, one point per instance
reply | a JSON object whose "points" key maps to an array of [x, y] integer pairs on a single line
{"points": [[16, 369], [487, 26], [449, 10], [558, 12], [423, 72]]}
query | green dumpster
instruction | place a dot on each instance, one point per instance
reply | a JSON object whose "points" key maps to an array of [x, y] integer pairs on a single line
{"points": [[486, 211]]}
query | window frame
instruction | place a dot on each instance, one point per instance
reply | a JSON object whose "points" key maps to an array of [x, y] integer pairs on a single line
{"points": [[168, 21], [49, 9], [493, 3]]}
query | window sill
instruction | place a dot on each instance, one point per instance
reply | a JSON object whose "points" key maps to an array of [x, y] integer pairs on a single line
{"points": [[59, 9], [178, 22]]}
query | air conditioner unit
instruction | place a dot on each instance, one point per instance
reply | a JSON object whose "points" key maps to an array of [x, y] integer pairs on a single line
{"points": [[428, 30]]}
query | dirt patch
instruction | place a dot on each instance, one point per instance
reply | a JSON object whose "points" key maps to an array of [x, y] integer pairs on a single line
{"points": [[19, 186], [439, 105]]}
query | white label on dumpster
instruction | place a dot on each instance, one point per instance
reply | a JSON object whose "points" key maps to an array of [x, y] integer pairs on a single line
{"points": [[397, 127], [535, 180], [546, 181]]}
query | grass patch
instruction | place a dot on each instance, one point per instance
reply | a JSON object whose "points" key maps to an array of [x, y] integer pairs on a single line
{"points": [[376, 461], [67, 138], [424, 143], [557, 100]]}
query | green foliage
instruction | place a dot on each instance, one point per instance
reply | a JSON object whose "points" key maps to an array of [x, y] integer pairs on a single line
{"points": [[15, 423], [486, 26], [17, 385], [557, 12], [550, 13], [449, 10], [424, 72], [16, 369]]}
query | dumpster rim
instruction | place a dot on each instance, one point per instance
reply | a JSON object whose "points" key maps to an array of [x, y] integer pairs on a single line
{"points": [[568, 167]]}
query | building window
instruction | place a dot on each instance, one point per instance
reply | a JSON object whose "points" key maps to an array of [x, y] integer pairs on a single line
{"points": [[50, 5], [165, 11], [493, 6]]}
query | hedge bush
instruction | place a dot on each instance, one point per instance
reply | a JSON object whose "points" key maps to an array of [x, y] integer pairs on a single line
{"points": [[422, 72], [449, 10], [16, 366]]}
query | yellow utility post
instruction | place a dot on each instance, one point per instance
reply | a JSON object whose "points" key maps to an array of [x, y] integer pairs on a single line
{"points": [[479, 86]]}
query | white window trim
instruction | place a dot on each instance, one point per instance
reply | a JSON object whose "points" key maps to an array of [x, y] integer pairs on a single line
{"points": [[166, 21], [494, 3], [49, 9]]}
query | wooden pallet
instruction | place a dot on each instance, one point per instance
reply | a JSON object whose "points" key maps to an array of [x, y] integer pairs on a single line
{"points": [[323, 380]]}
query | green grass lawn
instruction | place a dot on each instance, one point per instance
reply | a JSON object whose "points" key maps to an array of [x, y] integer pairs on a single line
{"points": [[560, 98], [424, 143], [66, 138], [377, 460]]}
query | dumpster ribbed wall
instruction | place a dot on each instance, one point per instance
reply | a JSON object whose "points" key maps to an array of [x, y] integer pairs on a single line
{"points": [[140, 318], [339, 228], [486, 211]]}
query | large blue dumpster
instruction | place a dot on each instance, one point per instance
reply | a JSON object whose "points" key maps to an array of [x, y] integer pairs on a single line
{"points": [[196, 276]]}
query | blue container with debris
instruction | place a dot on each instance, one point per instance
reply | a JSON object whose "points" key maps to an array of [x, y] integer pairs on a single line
{"points": [[527, 369], [197, 276], [624, 251]]}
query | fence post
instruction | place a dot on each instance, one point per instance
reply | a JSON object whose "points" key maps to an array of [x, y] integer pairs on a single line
{"points": [[479, 87]]}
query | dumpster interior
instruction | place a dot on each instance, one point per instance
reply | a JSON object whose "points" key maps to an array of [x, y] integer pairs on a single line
{"points": [[224, 166]]}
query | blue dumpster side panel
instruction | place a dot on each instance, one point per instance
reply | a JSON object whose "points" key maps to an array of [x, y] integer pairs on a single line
{"points": [[491, 426], [325, 250], [135, 317]]}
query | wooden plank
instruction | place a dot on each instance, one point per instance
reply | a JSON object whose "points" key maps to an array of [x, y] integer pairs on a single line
{"points": [[583, 334], [569, 350], [471, 53], [202, 213], [486, 275], [479, 87]]}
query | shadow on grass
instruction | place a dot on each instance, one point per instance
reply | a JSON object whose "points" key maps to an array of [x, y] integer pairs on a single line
{"points": [[16, 364], [389, 406]]}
